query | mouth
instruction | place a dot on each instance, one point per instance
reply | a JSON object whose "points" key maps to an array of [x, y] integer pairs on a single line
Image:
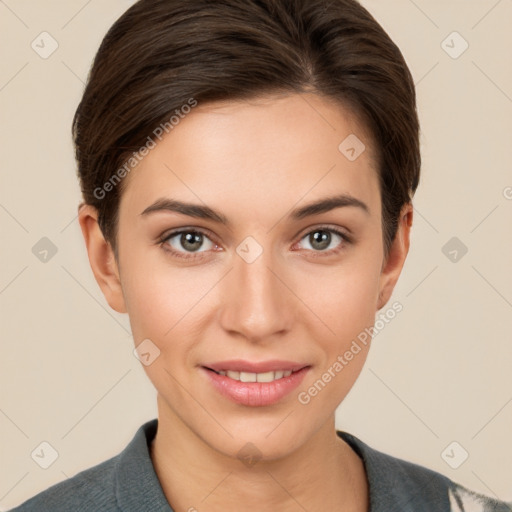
{"points": [[255, 384]]}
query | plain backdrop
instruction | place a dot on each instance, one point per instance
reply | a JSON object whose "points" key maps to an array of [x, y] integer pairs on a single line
{"points": [[437, 383]]}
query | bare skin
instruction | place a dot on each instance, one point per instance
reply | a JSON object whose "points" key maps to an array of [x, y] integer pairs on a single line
{"points": [[253, 162]]}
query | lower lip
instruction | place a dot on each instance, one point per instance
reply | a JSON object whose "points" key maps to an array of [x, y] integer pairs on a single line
{"points": [[256, 394]]}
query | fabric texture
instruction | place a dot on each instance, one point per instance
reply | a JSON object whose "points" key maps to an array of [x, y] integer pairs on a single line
{"points": [[128, 483]]}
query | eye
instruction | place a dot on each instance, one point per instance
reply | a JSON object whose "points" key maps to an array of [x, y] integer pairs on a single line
{"points": [[186, 242], [327, 240], [193, 243]]}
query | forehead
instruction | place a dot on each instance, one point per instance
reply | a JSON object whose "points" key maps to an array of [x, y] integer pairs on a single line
{"points": [[274, 149]]}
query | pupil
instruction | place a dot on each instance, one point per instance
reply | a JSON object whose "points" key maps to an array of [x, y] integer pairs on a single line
{"points": [[322, 238], [191, 241]]}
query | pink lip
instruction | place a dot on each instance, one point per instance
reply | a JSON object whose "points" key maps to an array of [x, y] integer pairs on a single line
{"points": [[256, 394], [239, 365]]}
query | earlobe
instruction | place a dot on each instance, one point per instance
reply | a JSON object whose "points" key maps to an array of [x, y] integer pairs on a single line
{"points": [[101, 258], [396, 258]]}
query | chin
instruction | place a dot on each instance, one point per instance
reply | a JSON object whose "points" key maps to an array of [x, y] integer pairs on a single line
{"points": [[264, 440]]}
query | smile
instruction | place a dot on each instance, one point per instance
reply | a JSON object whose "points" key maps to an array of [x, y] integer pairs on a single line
{"points": [[255, 384]]}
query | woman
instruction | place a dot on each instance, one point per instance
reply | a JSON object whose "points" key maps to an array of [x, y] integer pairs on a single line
{"points": [[247, 169]]}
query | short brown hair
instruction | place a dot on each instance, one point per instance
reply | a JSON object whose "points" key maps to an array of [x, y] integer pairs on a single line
{"points": [[161, 53]]}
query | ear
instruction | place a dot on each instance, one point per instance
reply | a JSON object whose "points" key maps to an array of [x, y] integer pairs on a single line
{"points": [[101, 258], [392, 266]]}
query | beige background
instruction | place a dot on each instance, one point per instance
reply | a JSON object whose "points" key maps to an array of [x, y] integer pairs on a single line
{"points": [[439, 372]]}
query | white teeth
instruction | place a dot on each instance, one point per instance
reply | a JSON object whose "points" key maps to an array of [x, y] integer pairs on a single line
{"points": [[255, 377], [265, 377], [247, 377]]}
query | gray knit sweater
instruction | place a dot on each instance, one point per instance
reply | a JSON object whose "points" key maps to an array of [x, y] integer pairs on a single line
{"points": [[128, 483]]}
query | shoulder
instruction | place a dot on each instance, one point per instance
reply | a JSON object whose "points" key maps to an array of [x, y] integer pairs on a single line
{"points": [[126, 482], [396, 484], [92, 489]]}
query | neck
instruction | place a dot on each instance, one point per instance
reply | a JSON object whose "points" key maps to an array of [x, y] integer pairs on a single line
{"points": [[325, 474]]}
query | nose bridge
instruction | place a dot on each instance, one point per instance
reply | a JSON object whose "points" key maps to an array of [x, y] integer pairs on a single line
{"points": [[257, 304]]}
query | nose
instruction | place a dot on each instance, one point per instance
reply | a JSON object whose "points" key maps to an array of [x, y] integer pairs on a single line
{"points": [[257, 304]]}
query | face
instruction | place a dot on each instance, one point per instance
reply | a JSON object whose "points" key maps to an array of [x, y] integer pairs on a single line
{"points": [[249, 293]]}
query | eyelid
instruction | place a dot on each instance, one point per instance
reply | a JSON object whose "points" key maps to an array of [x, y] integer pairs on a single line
{"points": [[343, 232], [186, 229]]}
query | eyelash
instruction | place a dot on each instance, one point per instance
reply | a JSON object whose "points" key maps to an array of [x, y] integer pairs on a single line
{"points": [[189, 256]]}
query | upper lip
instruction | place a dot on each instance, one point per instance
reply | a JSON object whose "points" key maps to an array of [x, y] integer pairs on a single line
{"points": [[239, 365]]}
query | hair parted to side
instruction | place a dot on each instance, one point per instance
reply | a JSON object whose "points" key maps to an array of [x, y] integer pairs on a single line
{"points": [[160, 54]]}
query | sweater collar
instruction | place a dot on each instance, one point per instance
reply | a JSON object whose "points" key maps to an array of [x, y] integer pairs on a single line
{"points": [[393, 484], [396, 484], [137, 485]]}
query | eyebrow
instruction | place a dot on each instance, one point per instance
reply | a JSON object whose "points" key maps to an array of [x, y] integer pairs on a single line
{"points": [[205, 212]]}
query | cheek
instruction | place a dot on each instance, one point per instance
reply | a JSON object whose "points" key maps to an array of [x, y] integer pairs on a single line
{"points": [[163, 302], [344, 298], [161, 306], [346, 306], [155, 303]]}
